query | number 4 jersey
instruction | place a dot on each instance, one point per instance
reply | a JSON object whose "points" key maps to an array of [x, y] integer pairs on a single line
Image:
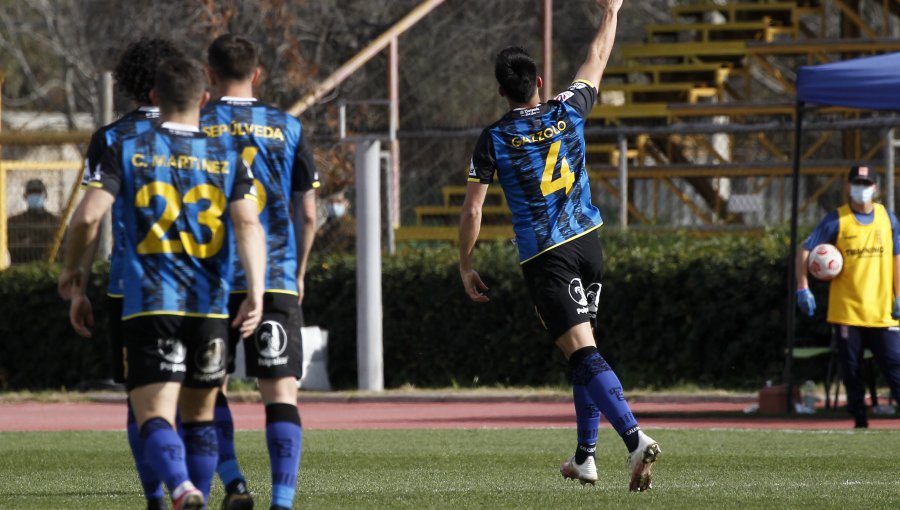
{"points": [[538, 155], [175, 186]]}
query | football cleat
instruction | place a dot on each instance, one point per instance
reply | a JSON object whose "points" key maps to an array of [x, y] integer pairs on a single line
{"points": [[640, 461], [238, 501], [190, 499], [584, 473]]}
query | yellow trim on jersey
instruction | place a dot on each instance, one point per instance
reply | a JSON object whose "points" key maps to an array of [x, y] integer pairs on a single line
{"points": [[270, 291], [316, 185], [586, 82], [95, 184], [179, 314], [562, 243], [251, 197], [115, 295], [476, 179]]}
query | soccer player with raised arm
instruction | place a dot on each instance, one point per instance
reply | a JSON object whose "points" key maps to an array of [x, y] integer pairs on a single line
{"points": [[281, 160], [184, 196], [537, 151], [134, 75]]}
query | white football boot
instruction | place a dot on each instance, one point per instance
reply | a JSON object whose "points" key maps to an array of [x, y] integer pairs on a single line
{"points": [[640, 461], [584, 473]]}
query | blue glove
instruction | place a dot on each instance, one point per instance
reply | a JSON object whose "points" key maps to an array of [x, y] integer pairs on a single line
{"points": [[807, 302], [895, 312]]}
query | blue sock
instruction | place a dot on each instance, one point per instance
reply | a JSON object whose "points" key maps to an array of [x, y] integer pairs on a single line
{"points": [[202, 454], [283, 437], [153, 489], [164, 451], [587, 421], [228, 468], [591, 371]]}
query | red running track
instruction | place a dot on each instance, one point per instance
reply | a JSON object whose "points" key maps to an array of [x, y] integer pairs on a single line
{"points": [[434, 415]]}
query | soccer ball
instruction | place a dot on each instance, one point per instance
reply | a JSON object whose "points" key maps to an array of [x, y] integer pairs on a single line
{"points": [[825, 262]]}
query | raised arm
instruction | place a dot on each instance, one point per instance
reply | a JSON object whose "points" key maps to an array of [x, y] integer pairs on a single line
{"points": [[598, 52]]}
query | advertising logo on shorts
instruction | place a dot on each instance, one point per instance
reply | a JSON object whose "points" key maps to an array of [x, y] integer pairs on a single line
{"points": [[593, 298], [576, 292], [211, 360], [173, 354], [271, 342]]}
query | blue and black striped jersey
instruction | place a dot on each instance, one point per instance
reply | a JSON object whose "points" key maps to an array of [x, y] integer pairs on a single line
{"points": [[275, 147], [539, 156], [132, 123], [175, 186]]}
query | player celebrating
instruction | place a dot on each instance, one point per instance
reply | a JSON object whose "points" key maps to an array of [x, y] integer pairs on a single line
{"points": [[537, 151], [134, 76], [864, 299], [176, 186], [286, 178]]}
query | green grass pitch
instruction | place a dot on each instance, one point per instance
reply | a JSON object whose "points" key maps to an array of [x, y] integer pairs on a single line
{"points": [[515, 469]]}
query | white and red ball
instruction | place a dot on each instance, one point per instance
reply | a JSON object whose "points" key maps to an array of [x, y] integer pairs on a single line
{"points": [[825, 262]]}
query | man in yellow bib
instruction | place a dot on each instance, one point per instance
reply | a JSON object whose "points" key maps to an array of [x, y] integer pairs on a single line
{"points": [[864, 299]]}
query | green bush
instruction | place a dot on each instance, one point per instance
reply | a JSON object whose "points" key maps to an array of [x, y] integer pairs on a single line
{"points": [[39, 349], [674, 309]]}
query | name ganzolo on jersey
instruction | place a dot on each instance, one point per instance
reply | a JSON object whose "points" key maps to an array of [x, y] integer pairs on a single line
{"points": [[180, 161], [539, 136], [235, 128]]}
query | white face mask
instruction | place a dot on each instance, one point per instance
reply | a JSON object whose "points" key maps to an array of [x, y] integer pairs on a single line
{"points": [[862, 193], [336, 209]]}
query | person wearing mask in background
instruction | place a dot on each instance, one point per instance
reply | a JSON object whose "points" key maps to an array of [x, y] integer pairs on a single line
{"points": [[864, 299], [31, 232]]}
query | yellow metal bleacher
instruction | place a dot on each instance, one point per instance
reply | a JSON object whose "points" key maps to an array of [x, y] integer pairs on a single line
{"points": [[700, 65]]}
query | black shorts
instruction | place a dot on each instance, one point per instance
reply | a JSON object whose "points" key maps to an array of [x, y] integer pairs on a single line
{"points": [[564, 283], [116, 347], [275, 349], [171, 348]]}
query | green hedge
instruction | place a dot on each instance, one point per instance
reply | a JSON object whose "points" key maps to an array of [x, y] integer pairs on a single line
{"points": [[674, 309]]}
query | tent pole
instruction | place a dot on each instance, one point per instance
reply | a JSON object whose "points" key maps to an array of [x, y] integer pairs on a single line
{"points": [[790, 314], [889, 168]]}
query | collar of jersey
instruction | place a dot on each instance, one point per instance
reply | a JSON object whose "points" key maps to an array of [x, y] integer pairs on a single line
{"points": [[177, 126], [236, 99], [149, 109]]}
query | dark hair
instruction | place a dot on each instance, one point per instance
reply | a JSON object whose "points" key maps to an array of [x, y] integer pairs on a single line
{"points": [[516, 72], [232, 57], [180, 83], [136, 70]]}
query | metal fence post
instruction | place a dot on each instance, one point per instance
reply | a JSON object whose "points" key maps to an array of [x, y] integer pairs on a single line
{"points": [[369, 350]]}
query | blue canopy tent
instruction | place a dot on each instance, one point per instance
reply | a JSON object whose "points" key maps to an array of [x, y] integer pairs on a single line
{"points": [[871, 83]]}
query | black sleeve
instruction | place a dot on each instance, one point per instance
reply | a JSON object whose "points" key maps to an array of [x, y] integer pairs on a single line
{"points": [[243, 182], [109, 173], [304, 175], [581, 96], [483, 165], [94, 155]]}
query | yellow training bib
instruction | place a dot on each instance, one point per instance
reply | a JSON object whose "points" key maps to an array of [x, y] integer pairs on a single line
{"points": [[862, 295]]}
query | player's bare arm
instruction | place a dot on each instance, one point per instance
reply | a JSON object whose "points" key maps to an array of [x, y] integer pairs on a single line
{"points": [[598, 52], [305, 223], [469, 227], [81, 311], [83, 231], [251, 247]]}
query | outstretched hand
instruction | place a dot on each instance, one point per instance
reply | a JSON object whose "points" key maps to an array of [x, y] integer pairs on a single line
{"points": [[475, 288], [609, 4]]}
